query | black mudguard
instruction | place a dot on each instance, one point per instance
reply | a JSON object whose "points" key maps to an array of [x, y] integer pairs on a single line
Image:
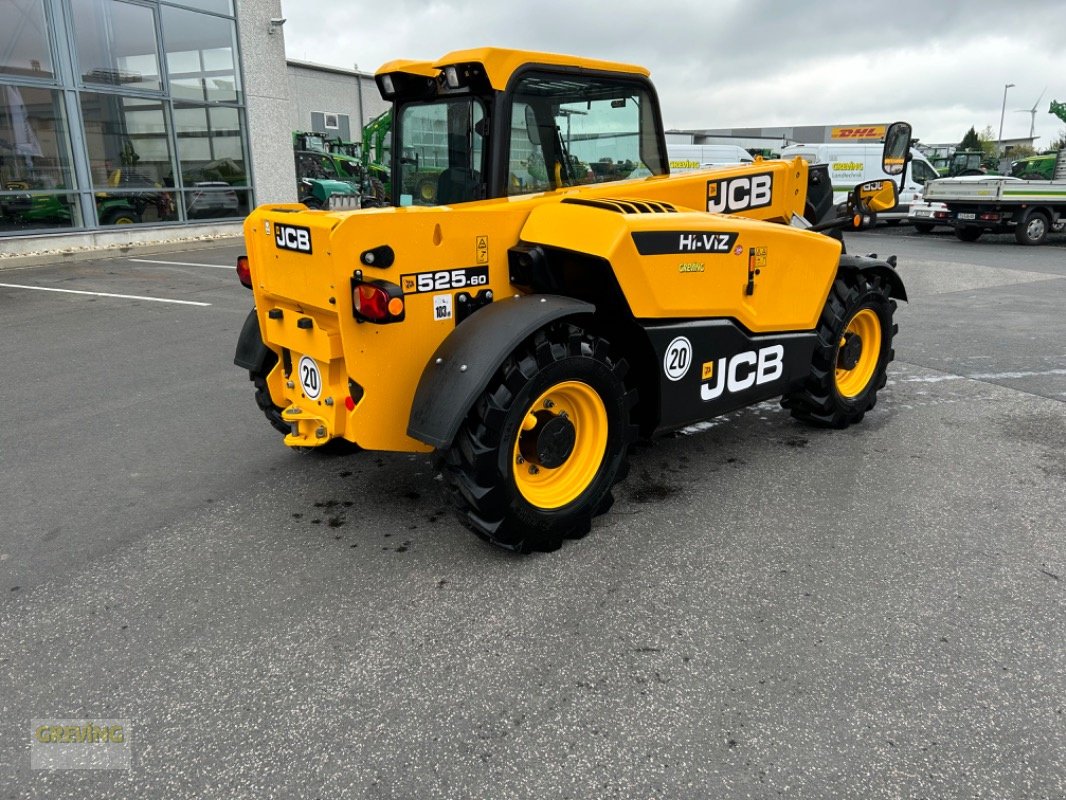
{"points": [[251, 353], [463, 365], [885, 270]]}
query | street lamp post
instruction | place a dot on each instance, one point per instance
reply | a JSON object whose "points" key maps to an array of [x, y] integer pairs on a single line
{"points": [[1003, 111]]}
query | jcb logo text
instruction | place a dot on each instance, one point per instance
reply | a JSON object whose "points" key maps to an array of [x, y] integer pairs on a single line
{"points": [[292, 237], [742, 371], [729, 195]]}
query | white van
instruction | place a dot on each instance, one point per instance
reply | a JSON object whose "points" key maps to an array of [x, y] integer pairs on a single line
{"points": [[851, 164], [689, 157]]}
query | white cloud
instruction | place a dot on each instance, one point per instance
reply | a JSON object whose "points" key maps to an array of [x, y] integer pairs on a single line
{"points": [[940, 65]]}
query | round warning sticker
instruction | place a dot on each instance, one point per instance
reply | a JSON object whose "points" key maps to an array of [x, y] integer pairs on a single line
{"points": [[678, 358], [310, 377]]}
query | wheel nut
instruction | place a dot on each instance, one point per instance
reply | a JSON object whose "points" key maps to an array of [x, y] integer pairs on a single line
{"points": [[549, 404], [520, 460], [533, 469]]}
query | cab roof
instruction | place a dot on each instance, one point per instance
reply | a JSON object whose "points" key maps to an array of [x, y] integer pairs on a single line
{"points": [[501, 63]]}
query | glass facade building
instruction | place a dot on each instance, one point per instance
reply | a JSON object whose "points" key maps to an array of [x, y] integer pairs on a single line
{"points": [[118, 112]]}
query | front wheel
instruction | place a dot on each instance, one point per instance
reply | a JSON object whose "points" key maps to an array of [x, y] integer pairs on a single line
{"points": [[1033, 229], [850, 363], [538, 454]]}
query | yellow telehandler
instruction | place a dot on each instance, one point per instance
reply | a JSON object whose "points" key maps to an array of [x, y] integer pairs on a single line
{"points": [[559, 293]]}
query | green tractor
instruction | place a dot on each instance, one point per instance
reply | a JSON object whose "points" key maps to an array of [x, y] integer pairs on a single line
{"points": [[326, 178], [963, 162], [420, 173], [1035, 168]]}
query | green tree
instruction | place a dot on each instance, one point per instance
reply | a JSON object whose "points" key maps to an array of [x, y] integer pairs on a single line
{"points": [[970, 141], [989, 144], [1059, 142]]}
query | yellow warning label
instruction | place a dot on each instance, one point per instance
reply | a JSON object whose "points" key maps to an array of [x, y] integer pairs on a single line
{"points": [[481, 244], [708, 370]]}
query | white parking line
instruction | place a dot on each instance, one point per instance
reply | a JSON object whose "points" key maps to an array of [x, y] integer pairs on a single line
{"points": [[180, 263], [105, 294]]}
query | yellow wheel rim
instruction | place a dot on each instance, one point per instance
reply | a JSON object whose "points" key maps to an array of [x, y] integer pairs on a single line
{"points": [[554, 486], [866, 327]]}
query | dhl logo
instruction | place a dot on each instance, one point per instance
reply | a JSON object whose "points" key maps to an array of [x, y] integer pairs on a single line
{"points": [[866, 132]]}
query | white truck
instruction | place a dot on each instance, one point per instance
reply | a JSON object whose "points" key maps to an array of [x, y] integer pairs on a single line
{"points": [[690, 157], [999, 204]]}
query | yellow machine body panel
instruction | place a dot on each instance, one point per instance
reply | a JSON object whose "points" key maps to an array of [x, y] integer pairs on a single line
{"points": [[303, 261], [770, 278]]}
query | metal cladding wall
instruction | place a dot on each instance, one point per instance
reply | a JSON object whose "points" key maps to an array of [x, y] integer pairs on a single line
{"points": [[318, 90]]}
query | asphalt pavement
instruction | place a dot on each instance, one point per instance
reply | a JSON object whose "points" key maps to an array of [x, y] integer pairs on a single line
{"points": [[769, 610]]}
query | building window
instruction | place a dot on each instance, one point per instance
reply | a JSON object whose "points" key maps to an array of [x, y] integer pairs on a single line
{"points": [[24, 47], [212, 161], [116, 44], [129, 158], [155, 97], [201, 56], [34, 160]]}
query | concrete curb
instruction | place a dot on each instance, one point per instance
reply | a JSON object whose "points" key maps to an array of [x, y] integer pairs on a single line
{"points": [[69, 256]]}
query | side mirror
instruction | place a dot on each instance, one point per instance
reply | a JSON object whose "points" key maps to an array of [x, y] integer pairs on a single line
{"points": [[531, 126], [874, 196], [897, 149]]}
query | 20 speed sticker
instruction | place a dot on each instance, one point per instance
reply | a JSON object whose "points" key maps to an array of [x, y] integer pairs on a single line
{"points": [[310, 377], [444, 279], [678, 358]]}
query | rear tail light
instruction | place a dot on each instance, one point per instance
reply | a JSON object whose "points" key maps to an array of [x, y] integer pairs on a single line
{"points": [[376, 301], [244, 272], [989, 216]]}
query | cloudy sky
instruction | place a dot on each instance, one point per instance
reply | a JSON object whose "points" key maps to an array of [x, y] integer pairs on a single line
{"points": [[940, 64]]}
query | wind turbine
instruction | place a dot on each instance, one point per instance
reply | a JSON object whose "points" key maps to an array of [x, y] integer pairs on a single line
{"points": [[1032, 113]]}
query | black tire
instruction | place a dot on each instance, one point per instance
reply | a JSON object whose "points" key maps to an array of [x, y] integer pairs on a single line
{"points": [[121, 217], [968, 233], [1033, 176], [312, 202], [427, 190], [923, 227], [1033, 229], [836, 395], [507, 508], [262, 395]]}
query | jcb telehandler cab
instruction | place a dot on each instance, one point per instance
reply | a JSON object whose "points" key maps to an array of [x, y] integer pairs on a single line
{"points": [[559, 293]]}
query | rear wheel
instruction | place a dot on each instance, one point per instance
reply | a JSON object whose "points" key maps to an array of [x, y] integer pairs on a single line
{"points": [[923, 227], [968, 233], [850, 363], [537, 456], [126, 216], [262, 395], [1033, 229]]}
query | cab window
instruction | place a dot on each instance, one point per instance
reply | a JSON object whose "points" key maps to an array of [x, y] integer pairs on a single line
{"points": [[922, 172], [442, 150], [573, 130]]}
